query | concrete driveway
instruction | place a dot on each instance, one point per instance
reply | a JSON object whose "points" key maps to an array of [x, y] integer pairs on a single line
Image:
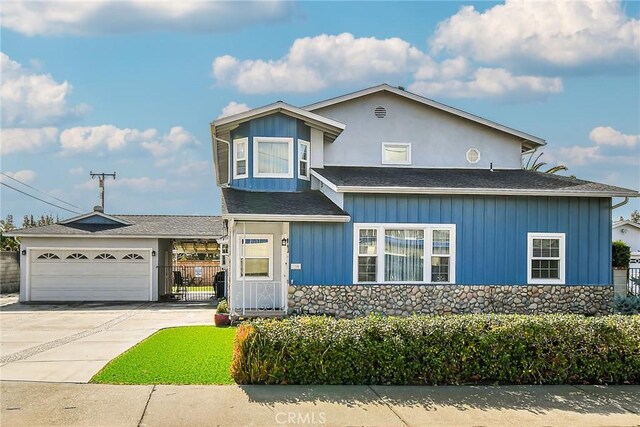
{"points": [[72, 342]]}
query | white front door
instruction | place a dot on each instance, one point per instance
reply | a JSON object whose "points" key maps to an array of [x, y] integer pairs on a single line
{"points": [[260, 267]]}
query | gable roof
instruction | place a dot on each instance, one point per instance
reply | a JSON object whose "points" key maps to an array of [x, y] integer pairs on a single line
{"points": [[84, 218], [462, 181], [528, 141], [330, 127], [309, 205], [625, 222], [141, 226]]}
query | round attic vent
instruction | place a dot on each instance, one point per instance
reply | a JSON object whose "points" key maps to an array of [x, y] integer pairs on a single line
{"points": [[380, 112], [473, 155]]}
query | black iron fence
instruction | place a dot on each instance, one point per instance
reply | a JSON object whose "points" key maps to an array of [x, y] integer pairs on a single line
{"points": [[193, 282], [634, 281]]}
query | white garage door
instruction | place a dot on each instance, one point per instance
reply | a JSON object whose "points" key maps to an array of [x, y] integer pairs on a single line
{"points": [[89, 275]]}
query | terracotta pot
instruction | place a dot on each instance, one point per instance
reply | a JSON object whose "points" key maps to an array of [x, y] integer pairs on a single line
{"points": [[221, 319]]}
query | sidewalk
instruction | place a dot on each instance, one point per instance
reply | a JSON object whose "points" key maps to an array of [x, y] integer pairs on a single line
{"points": [[40, 404]]}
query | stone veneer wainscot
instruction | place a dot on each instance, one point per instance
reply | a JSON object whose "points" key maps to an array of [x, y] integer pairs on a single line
{"points": [[404, 300]]}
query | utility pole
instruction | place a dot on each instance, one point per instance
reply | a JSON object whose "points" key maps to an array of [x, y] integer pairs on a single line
{"points": [[101, 177]]}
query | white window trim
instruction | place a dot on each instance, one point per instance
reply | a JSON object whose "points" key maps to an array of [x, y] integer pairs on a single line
{"points": [[237, 142], [396, 144], [428, 243], [256, 141], [562, 258], [306, 177], [240, 252]]}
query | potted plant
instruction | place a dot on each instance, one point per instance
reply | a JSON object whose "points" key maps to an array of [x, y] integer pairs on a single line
{"points": [[221, 318]]}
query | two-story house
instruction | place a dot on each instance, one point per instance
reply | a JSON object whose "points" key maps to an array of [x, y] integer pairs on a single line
{"points": [[385, 201]]}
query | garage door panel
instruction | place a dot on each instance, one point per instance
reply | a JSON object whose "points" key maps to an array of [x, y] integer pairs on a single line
{"points": [[74, 268], [91, 279], [88, 295]]}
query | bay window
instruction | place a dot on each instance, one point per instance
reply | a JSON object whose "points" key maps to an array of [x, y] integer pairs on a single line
{"points": [[303, 159], [272, 157], [404, 253], [240, 169]]}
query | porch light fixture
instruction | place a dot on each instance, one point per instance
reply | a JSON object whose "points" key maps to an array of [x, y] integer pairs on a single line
{"points": [[153, 253], [285, 241], [24, 252]]}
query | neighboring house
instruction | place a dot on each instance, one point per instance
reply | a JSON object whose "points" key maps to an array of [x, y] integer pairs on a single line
{"points": [[628, 232], [384, 201], [100, 257]]}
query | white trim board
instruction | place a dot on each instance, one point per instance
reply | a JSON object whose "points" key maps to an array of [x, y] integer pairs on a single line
{"points": [[287, 218]]}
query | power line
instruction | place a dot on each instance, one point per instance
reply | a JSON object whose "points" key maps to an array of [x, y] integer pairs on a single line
{"points": [[38, 198], [42, 192]]}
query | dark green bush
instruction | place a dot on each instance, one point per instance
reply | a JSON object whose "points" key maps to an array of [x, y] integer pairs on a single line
{"points": [[626, 305], [465, 349], [620, 254]]}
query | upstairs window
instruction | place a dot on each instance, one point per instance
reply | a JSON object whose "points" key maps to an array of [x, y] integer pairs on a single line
{"points": [[303, 159], [396, 153], [546, 258], [273, 157], [240, 150]]}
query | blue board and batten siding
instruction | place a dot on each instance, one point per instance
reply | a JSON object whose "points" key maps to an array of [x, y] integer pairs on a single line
{"points": [[491, 243], [274, 125]]}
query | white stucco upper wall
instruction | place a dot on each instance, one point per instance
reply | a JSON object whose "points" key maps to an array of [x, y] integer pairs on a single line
{"points": [[438, 139], [631, 236]]}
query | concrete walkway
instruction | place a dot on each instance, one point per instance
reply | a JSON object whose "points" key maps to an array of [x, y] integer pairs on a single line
{"points": [[28, 404], [72, 342]]}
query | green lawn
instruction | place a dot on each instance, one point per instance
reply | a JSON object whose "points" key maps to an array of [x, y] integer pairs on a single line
{"points": [[186, 355]]}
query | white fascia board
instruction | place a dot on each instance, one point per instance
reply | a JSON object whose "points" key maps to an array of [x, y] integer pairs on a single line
{"points": [[478, 191], [313, 119], [95, 213], [289, 218], [324, 180], [430, 103]]}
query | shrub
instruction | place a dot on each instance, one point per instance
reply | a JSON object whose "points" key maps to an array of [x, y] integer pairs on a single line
{"points": [[464, 349], [626, 305], [620, 254]]}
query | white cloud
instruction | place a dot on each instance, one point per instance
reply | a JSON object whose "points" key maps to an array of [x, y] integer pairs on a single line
{"points": [[176, 139], [551, 33], [486, 83], [76, 171], [26, 175], [233, 108], [130, 16], [85, 139], [32, 99], [14, 140], [313, 63], [609, 136], [111, 138]]}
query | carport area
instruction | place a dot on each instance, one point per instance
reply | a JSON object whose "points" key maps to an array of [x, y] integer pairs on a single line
{"points": [[72, 342]]}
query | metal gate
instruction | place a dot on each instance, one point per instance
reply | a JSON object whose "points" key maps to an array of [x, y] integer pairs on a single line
{"points": [[634, 281], [193, 283]]}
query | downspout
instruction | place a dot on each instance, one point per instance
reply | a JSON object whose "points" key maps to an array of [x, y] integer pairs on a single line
{"points": [[215, 141], [622, 203]]}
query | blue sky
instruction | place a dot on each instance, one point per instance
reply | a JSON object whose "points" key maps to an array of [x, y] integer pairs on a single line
{"points": [[131, 86]]}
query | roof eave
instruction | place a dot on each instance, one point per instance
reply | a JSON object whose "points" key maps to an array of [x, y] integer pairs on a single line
{"points": [[95, 213], [288, 218], [119, 236], [311, 119], [480, 191]]}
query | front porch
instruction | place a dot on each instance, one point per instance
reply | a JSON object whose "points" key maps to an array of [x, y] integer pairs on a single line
{"points": [[257, 267]]}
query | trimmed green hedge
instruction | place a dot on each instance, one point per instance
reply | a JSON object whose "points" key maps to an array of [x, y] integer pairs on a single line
{"points": [[464, 349]]}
